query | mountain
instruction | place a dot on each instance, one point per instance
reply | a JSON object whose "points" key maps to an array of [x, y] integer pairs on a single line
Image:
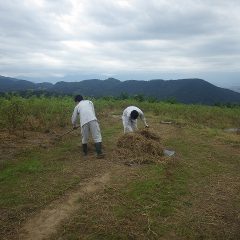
{"points": [[12, 84], [8, 84], [235, 88], [183, 90]]}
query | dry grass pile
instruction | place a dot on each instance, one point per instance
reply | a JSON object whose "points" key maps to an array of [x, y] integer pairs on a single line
{"points": [[139, 147]]}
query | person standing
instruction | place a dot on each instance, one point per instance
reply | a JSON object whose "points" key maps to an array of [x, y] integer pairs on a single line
{"points": [[129, 118], [89, 124]]}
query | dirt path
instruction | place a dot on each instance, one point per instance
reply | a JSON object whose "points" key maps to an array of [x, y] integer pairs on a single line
{"points": [[42, 225]]}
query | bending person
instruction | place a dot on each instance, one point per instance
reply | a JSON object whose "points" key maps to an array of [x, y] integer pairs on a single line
{"points": [[129, 118]]}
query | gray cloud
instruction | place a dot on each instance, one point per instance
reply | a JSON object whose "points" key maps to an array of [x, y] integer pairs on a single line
{"points": [[125, 39]]}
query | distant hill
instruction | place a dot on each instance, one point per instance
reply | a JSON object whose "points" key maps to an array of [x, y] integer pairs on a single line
{"points": [[235, 88], [183, 90], [13, 84], [8, 84]]}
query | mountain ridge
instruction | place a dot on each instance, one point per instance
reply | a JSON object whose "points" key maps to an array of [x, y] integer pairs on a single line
{"points": [[192, 90]]}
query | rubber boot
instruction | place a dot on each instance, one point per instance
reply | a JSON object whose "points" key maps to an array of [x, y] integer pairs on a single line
{"points": [[99, 150], [85, 149]]}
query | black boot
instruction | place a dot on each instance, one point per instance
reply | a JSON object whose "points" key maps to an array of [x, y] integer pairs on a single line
{"points": [[99, 150], [85, 149]]}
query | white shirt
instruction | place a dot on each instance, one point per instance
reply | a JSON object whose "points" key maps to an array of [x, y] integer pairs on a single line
{"points": [[86, 112], [127, 113]]}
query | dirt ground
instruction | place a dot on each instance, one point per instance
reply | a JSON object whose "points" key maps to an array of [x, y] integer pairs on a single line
{"points": [[44, 222], [97, 175], [12, 144]]}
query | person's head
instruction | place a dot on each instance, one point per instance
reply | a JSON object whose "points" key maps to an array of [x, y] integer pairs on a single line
{"points": [[134, 114], [78, 98]]}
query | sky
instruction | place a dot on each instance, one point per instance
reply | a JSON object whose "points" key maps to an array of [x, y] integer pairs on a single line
{"points": [[51, 40]]}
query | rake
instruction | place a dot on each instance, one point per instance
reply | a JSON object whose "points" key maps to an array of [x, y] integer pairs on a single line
{"points": [[71, 130]]}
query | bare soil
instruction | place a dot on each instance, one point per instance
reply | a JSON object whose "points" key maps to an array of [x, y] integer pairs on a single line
{"points": [[45, 223]]}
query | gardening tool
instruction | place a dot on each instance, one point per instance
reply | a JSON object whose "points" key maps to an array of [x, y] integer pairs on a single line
{"points": [[71, 130], [56, 139]]}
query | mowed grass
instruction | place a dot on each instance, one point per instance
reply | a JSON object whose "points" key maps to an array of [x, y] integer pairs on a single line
{"points": [[32, 180], [194, 195]]}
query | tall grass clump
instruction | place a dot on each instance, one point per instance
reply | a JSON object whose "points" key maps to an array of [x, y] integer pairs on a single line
{"points": [[13, 113], [211, 116], [192, 114], [35, 113], [46, 113]]}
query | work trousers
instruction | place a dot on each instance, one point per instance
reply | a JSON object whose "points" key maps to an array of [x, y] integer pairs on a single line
{"points": [[92, 127]]}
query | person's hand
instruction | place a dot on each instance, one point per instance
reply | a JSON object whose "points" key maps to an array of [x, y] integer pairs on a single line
{"points": [[147, 126]]}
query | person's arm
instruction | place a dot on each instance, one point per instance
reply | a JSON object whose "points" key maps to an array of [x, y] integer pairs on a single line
{"points": [[75, 117], [142, 117]]}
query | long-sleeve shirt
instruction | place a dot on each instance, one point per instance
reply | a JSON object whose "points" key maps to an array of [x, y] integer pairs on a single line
{"points": [[85, 110], [127, 113]]}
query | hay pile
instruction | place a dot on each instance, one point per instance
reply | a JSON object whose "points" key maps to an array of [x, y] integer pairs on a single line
{"points": [[139, 147]]}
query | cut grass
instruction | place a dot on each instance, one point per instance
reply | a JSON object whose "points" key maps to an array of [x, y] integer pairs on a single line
{"points": [[36, 177], [136, 207], [195, 195]]}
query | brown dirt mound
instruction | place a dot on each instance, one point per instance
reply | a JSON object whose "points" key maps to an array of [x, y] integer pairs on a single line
{"points": [[139, 147]]}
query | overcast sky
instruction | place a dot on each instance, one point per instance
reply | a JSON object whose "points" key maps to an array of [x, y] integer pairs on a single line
{"points": [[124, 39]]}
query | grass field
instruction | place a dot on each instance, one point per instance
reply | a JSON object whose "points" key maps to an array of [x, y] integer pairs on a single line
{"points": [[48, 190]]}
